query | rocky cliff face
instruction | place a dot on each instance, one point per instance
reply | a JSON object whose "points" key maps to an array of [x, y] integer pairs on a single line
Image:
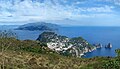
{"points": [[64, 45]]}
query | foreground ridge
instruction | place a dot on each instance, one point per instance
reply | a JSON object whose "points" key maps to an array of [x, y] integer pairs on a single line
{"points": [[29, 54]]}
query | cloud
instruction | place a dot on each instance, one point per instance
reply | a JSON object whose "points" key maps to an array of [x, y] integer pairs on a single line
{"points": [[39, 10], [103, 9], [116, 2]]}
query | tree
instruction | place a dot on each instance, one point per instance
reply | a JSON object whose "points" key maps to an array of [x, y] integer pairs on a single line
{"points": [[117, 52]]}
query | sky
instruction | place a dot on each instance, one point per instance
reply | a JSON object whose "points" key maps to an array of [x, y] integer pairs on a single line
{"points": [[63, 12]]}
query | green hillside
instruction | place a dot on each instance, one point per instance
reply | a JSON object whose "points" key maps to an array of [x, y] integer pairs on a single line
{"points": [[28, 54], [16, 54]]}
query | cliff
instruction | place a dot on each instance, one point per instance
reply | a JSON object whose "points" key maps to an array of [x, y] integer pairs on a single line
{"points": [[66, 46]]}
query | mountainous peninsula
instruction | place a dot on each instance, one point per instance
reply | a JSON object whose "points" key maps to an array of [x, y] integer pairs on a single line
{"points": [[66, 46], [39, 26]]}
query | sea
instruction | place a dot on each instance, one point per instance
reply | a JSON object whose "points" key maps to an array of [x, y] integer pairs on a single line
{"points": [[93, 34]]}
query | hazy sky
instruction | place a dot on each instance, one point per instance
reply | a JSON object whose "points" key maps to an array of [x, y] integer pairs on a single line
{"points": [[65, 12]]}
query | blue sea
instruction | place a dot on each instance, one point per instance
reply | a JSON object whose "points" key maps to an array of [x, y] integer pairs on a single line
{"points": [[93, 35]]}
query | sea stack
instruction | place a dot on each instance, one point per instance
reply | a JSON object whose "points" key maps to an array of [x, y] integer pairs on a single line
{"points": [[109, 45], [98, 45]]}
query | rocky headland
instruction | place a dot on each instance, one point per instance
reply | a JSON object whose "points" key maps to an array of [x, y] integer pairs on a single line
{"points": [[66, 46]]}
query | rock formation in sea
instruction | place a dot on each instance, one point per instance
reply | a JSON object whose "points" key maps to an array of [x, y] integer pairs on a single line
{"points": [[109, 45], [98, 45]]}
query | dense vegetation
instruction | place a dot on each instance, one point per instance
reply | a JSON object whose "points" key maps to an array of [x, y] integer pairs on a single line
{"points": [[28, 54]]}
